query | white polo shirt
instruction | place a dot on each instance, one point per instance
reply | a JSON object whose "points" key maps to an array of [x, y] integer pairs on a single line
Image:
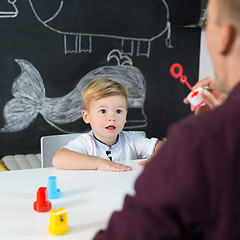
{"points": [[130, 145]]}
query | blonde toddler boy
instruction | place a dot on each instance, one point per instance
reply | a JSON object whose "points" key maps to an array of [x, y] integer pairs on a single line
{"points": [[105, 105]]}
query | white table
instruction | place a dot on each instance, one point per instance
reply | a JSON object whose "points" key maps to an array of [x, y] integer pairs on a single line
{"points": [[89, 197]]}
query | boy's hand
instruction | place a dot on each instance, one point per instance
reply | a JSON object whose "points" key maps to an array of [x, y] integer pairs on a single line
{"points": [[143, 163], [107, 165], [157, 147]]}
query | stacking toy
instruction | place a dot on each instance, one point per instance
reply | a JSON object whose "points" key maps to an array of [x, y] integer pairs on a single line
{"points": [[58, 222], [53, 192], [176, 70], [42, 204]]}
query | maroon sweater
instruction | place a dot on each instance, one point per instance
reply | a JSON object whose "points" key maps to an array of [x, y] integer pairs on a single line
{"points": [[191, 189]]}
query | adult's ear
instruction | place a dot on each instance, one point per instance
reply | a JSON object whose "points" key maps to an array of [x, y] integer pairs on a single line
{"points": [[227, 38], [85, 116]]}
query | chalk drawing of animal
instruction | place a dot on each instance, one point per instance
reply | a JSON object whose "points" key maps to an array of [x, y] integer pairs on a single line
{"points": [[130, 21], [29, 97]]}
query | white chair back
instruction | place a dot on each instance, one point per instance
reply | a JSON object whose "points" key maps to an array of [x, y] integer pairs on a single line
{"points": [[50, 145]]}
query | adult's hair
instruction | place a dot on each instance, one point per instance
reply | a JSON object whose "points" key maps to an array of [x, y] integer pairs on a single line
{"points": [[101, 88]]}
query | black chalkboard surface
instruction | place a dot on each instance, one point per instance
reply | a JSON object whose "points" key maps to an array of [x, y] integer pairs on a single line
{"points": [[49, 50]]}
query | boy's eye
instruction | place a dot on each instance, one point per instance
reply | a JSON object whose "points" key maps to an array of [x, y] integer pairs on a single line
{"points": [[102, 111], [119, 111]]}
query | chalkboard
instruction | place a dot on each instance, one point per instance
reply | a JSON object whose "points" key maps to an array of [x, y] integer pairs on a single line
{"points": [[49, 50], [204, 4]]}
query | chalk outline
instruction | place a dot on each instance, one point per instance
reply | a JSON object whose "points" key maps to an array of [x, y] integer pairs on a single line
{"points": [[4, 14], [78, 36], [29, 95]]}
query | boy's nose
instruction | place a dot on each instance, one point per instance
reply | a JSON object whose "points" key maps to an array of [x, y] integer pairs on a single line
{"points": [[111, 118]]}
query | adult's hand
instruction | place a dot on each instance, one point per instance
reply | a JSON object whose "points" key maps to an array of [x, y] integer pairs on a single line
{"points": [[210, 96]]}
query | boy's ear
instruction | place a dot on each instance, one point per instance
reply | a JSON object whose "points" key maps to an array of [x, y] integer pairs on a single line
{"points": [[85, 116]]}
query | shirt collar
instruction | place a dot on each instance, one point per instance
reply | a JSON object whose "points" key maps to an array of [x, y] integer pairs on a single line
{"points": [[104, 145]]}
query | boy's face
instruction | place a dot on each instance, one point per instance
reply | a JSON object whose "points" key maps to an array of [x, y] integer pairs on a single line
{"points": [[107, 117]]}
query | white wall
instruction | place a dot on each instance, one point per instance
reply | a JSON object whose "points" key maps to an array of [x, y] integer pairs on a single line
{"points": [[205, 68]]}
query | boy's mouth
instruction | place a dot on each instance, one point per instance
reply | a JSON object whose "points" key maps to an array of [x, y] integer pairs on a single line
{"points": [[110, 127]]}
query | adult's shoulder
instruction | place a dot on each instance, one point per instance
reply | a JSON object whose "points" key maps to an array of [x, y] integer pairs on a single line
{"points": [[206, 130]]}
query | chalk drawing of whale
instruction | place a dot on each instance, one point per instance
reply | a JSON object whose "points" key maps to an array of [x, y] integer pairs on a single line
{"points": [[9, 13], [29, 98], [130, 21]]}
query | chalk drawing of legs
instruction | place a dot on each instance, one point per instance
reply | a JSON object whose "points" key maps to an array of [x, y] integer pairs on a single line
{"points": [[143, 47], [77, 44], [29, 97], [136, 34], [9, 13]]}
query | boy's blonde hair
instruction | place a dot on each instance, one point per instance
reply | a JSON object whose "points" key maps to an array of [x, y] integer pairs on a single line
{"points": [[101, 88]]}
